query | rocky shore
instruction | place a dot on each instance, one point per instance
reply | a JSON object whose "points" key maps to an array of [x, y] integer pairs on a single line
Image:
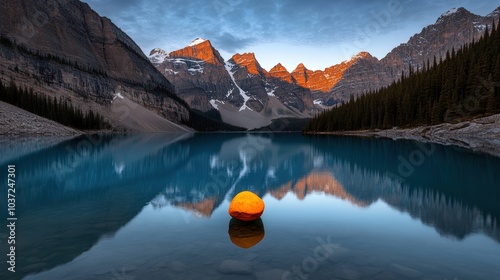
{"points": [[18, 122], [480, 135]]}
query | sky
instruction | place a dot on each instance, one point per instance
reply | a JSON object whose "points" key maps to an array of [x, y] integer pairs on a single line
{"points": [[318, 33]]}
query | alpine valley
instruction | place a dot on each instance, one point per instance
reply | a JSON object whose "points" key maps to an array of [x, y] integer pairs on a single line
{"points": [[83, 59]]}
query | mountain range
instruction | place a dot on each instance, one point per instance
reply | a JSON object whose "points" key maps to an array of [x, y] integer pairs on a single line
{"points": [[241, 90], [82, 58]]}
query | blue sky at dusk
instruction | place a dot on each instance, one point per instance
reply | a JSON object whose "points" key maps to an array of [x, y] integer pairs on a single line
{"points": [[319, 33]]}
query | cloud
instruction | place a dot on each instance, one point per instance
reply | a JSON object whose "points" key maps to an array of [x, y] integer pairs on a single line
{"points": [[231, 43], [234, 25]]}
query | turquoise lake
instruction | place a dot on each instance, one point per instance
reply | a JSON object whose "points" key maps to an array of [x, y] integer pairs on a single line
{"points": [[154, 206]]}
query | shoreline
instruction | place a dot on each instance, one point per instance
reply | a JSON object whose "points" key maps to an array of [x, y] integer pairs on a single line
{"points": [[478, 135]]}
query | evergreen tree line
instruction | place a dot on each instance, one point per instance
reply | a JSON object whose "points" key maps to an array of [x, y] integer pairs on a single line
{"points": [[60, 110], [464, 85]]}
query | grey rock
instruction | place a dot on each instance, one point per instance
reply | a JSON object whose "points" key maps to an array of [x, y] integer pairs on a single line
{"points": [[235, 267]]}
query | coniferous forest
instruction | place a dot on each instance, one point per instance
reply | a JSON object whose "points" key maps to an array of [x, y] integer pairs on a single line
{"points": [[463, 85], [60, 110]]}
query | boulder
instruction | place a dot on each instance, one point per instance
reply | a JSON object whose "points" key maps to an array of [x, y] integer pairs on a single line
{"points": [[246, 206]]}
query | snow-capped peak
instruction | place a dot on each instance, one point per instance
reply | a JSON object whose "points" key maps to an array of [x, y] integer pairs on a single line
{"points": [[450, 12], [494, 13], [158, 55], [360, 55], [196, 42]]}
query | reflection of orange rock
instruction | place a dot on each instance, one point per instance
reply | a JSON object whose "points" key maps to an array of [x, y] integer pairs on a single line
{"points": [[246, 234], [246, 206]]}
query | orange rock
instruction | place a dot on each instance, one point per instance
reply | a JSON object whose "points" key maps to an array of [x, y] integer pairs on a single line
{"points": [[246, 206]]}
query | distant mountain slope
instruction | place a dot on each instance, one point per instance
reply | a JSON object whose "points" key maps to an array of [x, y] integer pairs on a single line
{"points": [[451, 31], [64, 48]]}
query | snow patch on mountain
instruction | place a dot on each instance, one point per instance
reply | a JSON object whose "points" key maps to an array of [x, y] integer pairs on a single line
{"points": [[193, 66], [214, 104], [171, 71], [197, 41], [158, 56], [193, 71], [450, 12], [118, 95], [495, 13], [229, 92], [479, 26], [229, 67], [270, 92]]}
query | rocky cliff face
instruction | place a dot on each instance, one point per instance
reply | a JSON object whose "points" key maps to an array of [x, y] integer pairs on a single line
{"points": [[248, 61], [199, 74], [200, 49], [325, 80], [64, 48], [280, 72], [364, 75]]}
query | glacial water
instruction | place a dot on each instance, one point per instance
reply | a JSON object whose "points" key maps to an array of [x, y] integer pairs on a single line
{"points": [[131, 207]]}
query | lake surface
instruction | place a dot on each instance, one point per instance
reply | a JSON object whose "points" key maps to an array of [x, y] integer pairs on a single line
{"points": [[131, 207]]}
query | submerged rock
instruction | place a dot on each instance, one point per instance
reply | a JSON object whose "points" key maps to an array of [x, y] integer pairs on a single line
{"points": [[235, 267]]}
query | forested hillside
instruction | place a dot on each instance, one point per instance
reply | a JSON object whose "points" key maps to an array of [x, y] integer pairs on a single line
{"points": [[59, 110], [463, 85]]}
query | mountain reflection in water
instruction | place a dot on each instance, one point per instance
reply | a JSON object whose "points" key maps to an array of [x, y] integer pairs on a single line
{"points": [[79, 191]]}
